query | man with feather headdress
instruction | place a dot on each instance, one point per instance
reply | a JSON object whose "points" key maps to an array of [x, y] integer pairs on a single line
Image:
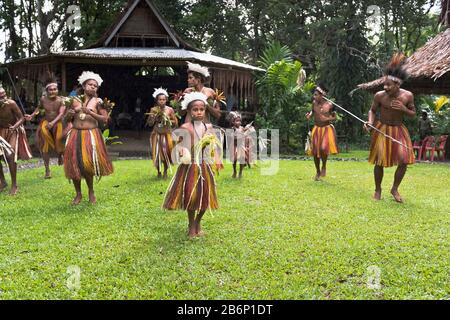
{"points": [[393, 103]]}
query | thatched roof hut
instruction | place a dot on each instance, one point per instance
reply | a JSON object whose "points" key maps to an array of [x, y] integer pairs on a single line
{"points": [[428, 67]]}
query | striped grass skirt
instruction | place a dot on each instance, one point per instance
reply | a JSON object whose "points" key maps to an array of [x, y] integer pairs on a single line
{"points": [[323, 140], [17, 139], [387, 153], [85, 155], [50, 139], [162, 145], [193, 188]]}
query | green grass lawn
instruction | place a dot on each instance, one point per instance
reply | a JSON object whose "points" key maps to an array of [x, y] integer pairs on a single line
{"points": [[274, 237]]}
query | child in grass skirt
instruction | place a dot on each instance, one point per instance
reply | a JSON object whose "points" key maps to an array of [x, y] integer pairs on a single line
{"points": [[193, 188]]}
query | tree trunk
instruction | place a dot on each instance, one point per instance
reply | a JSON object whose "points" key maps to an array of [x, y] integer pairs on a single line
{"points": [[445, 12], [13, 49]]}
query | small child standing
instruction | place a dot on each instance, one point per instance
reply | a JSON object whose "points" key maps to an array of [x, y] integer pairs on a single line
{"points": [[193, 188], [236, 143], [163, 119]]}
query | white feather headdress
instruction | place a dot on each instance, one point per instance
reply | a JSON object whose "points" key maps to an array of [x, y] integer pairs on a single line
{"points": [[233, 115], [198, 68], [193, 96], [160, 91], [89, 75]]}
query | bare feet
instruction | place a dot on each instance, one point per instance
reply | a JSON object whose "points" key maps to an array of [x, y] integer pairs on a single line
{"points": [[3, 186], [199, 232], [317, 177], [323, 173], [13, 191], [377, 195], [191, 233], [396, 196], [76, 201], [92, 198]]}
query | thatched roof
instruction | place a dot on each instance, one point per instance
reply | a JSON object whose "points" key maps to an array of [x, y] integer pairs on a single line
{"points": [[428, 67]]}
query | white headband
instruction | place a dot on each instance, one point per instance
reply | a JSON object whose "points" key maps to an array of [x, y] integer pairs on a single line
{"points": [[51, 84], [234, 115], [395, 79], [192, 67], [160, 91], [321, 90], [193, 96]]}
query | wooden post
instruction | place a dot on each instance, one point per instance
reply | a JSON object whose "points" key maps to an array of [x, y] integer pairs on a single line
{"points": [[36, 97], [63, 78]]}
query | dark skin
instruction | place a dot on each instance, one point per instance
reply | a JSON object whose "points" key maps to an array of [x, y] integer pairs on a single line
{"points": [[197, 111], [239, 131], [393, 103], [323, 115], [54, 111], [89, 109], [161, 105], [196, 84], [10, 117]]}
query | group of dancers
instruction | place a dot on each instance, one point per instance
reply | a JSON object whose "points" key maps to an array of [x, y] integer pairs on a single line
{"points": [[71, 128], [390, 141]]}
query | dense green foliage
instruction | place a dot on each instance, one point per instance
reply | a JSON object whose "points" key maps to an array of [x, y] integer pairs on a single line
{"points": [[340, 43]]}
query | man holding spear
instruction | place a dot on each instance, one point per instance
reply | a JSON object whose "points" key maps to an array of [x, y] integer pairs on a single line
{"points": [[391, 144], [393, 103]]}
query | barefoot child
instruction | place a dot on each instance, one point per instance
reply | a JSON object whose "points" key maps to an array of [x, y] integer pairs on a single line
{"points": [[163, 119], [236, 143], [193, 188], [85, 155]]}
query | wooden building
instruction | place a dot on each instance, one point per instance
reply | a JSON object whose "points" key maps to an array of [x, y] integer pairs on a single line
{"points": [[140, 51]]}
